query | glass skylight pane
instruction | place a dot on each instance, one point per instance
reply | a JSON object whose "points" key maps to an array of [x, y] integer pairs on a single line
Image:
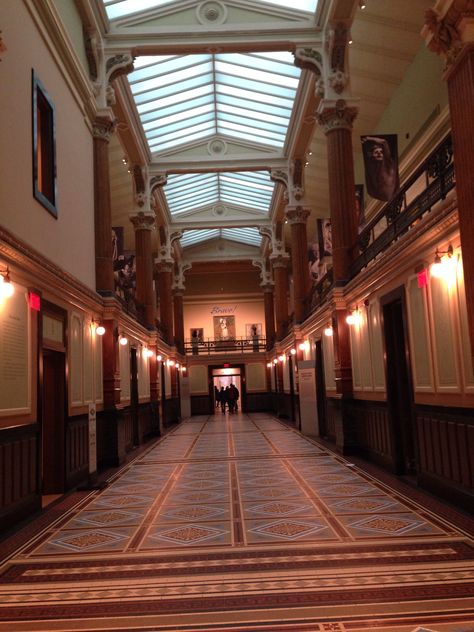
{"points": [[151, 60], [248, 94], [207, 126], [254, 75], [271, 67], [250, 137], [246, 118], [154, 119], [299, 5], [165, 65], [191, 237], [188, 114], [283, 113], [255, 86], [262, 116], [176, 82], [240, 201], [158, 146], [243, 235], [193, 122], [128, 7], [178, 188], [264, 189], [194, 196], [156, 105], [222, 123]]}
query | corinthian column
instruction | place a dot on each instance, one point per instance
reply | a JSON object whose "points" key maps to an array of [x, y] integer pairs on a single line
{"points": [[165, 281], [104, 274], [336, 118], [280, 273], [449, 32], [269, 314], [143, 223], [297, 216]]}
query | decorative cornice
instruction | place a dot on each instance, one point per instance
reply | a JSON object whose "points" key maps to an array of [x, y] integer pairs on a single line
{"points": [[309, 59], [446, 29], [334, 115], [157, 181], [297, 214], [103, 127], [118, 65], [142, 221], [94, 51], [279, 175]]}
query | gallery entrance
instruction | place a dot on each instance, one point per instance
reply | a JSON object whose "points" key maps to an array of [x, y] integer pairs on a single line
{"points": [[52, 401], [399, 389], [221, 378]]}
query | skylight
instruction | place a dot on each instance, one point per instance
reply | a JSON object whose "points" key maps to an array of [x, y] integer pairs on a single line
{"points": [[121, 8], [247, 96], [249, 236], [186, 193]]}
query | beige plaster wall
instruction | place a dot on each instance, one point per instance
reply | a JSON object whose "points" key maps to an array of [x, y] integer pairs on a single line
{"points": [[72, 22], [200, 315], [69, 240]]}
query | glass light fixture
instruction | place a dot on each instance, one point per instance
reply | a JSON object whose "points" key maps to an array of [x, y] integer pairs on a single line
{"points": [[328, 331], [123, 340], [439, 268], [6, 286]]}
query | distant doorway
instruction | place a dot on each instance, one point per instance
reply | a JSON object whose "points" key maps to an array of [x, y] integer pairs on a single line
{"points": [[321, 391], [221, 378], [53, 422]]}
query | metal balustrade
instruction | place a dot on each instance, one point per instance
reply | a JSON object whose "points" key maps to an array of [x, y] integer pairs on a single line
{"points": [[213, 346]]}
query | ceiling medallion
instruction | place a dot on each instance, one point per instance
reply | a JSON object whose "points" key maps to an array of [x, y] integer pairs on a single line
{"points": [[217, 147], [214, 13], [219, 210]]}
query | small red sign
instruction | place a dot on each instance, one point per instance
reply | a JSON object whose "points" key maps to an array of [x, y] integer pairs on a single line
{"points": [[34, 301], [423, 278], [226, 366]]}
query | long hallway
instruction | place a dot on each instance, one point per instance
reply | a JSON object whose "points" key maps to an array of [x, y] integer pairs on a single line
{"points": [[241, 523]]}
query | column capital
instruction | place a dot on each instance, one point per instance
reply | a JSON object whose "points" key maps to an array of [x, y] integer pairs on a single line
{"points": [[268, 287], [309, 58], [142, 221], [103, 127], [336, 114], [449, 28], [297, 214], [280, 260], [164, 265]]}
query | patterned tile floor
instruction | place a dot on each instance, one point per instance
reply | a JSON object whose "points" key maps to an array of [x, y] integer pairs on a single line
{"points": [[240, 523]]}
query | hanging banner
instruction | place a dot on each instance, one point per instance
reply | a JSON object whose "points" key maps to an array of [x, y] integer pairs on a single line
{"points": [[381, 165]]}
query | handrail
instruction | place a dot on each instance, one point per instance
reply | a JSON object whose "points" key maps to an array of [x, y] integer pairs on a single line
{"points": [[399, 215], [234, 345]]}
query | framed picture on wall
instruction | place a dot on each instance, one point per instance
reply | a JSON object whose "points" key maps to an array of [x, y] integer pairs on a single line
{"points": [[253, 329], [224, 327], [196, 334]]}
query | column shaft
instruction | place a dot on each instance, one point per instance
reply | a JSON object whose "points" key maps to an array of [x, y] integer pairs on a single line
{"points": [[281, 298], [461, 103], [144, 263], [269, 316], [178, 320], [299, 260], [104, 273], [165, 279]]}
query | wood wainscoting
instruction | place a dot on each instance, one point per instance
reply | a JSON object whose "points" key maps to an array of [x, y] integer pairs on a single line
{"points": [[19, 485], [372, 430], [446, 452], [77, 450]]}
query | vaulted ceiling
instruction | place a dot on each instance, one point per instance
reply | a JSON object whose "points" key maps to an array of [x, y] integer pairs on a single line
{"points": [[218, 102]]}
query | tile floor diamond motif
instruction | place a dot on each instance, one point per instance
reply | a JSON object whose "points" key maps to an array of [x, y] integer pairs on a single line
{"points": [[193, 512], [277, 508], [107, 518], [88, 540], [289, 529], [363, 504], [385, 524], [189, 534]]}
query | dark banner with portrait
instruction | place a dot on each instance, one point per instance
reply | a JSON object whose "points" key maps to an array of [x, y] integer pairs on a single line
{"points": [[381, 165], [360, 207], [124, 266], [319, 249]]}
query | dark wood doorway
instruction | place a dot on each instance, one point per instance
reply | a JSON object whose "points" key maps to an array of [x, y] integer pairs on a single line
{"points": [[399, 385], [134, 396], [53, 421]]}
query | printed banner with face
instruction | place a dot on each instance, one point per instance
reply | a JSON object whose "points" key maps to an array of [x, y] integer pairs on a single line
{"points": [[381, 165], [360, 207]]}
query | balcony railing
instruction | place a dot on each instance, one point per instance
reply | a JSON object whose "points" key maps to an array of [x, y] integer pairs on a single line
{"points": [[211, 346], [429, 184]]}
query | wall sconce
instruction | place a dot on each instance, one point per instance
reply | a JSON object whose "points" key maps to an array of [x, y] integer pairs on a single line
{"points": [[328, 331], [148, 353], [6, 286], [159, 357], [281, 358], [275, 361], [353, 318], [177, 365], [362, 4], [123, 340], [183, 369], [269, 365], [98, 327], [170, 362], [438, 269], [293, 351], [304, 346]]}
